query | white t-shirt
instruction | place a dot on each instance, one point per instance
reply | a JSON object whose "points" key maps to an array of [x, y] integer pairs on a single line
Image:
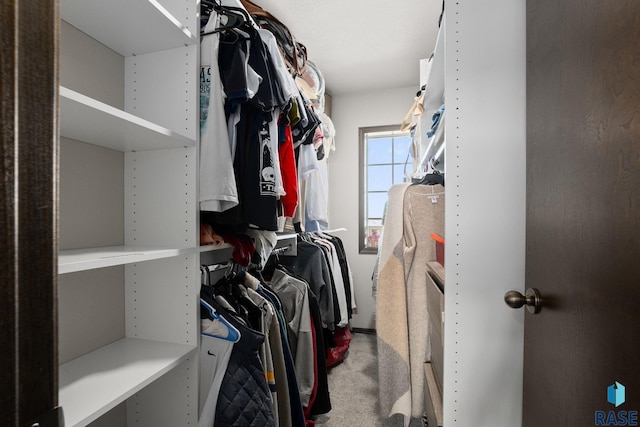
{"points": [[218, 190], [317, 195]]}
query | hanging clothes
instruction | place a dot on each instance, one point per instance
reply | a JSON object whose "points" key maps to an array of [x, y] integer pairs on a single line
{"points": [[289, 170], [297, 414], [345, 270], [338, 282], [310, 263], [260, 130], [218, 191], [253, 100], [295, 299], [282, 403], [216, 344], [260, 90], [413, 212], [244, 398]]}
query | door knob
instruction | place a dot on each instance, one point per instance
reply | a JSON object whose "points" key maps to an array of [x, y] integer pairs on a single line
{"points": [[531, 299]]}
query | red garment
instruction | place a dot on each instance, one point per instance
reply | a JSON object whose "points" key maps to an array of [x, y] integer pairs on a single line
{"points": [[289, 173], [243, 247]]}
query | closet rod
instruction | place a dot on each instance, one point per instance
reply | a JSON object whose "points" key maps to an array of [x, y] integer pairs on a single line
{"points": [[281, 250]]}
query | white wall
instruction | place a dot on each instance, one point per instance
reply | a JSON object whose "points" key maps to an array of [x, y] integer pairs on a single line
{"points": [[349, 113]]}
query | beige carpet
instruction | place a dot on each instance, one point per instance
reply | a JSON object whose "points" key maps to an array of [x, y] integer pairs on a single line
{"points": [[353, 386]]}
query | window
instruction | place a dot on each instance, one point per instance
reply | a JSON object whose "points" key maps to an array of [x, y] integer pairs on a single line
{"points": [[384, 152]]}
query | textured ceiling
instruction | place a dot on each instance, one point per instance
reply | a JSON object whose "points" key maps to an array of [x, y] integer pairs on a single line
{"points": [[362, 45]]}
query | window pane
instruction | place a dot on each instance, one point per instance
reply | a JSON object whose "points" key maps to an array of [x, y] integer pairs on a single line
{"points": [[379, 178], [398, 172], [385, 151], [401, 149], [375, 207], [379, 150]]}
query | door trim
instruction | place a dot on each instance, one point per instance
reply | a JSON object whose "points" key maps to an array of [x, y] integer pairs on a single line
{"points": [[28, 214]]}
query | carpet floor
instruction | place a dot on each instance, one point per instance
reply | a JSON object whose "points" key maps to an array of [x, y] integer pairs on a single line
{"points": [[353, 386]]}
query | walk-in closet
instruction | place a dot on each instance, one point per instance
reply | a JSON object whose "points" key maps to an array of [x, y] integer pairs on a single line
{"points": [[226, 252], [296, 213], [227, 246]]}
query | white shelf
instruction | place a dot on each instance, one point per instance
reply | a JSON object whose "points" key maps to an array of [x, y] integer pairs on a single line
{"points": [[84, 119], [73, 260], [211, 248], [93, 384], [129, 27]]}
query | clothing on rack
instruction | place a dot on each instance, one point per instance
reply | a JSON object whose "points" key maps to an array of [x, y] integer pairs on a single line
{"points": [[316, 263], [294, 327], [278, 383], [218, 191], [243, 397], [260, 372], [294, 296], [310, 264], [338, 281], [250, 175], [263, 140], [216, 344], [295, 404], [413, 212], [286, 337]]}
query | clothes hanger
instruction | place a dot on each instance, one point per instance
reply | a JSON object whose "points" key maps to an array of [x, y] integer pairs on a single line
{"points": [[430, 179], [204, 275], [233, 334], [233, 21], [236, 17]]}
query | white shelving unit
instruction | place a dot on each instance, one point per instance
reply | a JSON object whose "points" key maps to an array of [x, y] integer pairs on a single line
{"points": [[133, 27], [73, 260], [152, 366], [86, 119], [98, 381]]}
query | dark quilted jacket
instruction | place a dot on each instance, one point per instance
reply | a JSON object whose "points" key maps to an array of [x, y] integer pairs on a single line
{"points": [[244, 399]]}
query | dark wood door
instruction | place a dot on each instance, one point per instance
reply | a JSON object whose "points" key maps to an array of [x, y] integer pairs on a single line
{"points": [[583, 210], [28, 248]]}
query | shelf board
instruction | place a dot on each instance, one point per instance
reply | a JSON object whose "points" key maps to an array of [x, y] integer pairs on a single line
{"points": [[73, 260], [85, 119], [95, 383], [129, 27], [215, 254]]}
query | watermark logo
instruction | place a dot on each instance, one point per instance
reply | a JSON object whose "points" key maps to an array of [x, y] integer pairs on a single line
{"points": [[616, 395]]}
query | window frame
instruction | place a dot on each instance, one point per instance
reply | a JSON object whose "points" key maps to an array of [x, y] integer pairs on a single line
{"points": [[362, 182]]}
